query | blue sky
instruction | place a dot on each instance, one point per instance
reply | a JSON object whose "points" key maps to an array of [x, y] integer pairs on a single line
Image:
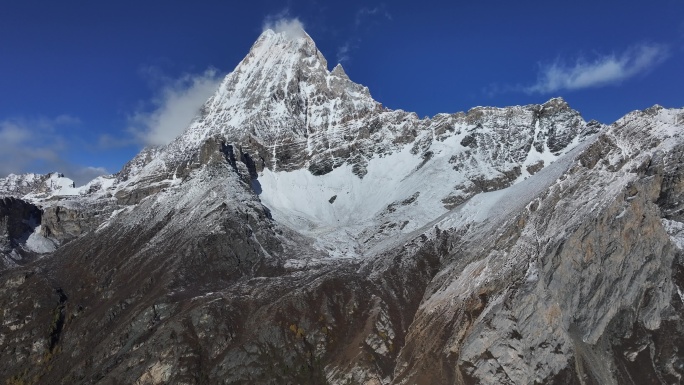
{"points": [[84, 85]]}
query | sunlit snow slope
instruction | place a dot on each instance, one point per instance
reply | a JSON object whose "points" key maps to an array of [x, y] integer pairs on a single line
{"points": [[334, 164], [402, 192]]}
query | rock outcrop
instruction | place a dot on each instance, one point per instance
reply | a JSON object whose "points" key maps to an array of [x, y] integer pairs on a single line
{"points": [[300, 233], [17, 219]]}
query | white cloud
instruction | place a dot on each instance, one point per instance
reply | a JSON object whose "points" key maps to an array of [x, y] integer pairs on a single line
{"points": [[26, 143], [605, 70], [82, 175], [343, 52], [365, 19], [281, 22], [11, 134], [108, 141], [176, 104], [39, 145]]}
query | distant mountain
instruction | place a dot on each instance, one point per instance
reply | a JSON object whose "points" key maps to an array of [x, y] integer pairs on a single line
{"points": [[300, 232]]}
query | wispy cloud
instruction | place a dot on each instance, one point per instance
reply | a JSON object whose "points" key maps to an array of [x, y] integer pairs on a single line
{"points": [[109, 141], [343, 52], [25, 143], [364, 19], [602, 71], [177, 102], [365, 12], [47, 144], [41, 145], [82, 174], [282, 22]]}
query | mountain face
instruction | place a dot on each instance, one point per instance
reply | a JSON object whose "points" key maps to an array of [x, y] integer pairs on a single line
{"points": [[299, 232]]}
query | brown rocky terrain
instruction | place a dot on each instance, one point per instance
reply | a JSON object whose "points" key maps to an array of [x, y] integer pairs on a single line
{"points": [[515, 245]]}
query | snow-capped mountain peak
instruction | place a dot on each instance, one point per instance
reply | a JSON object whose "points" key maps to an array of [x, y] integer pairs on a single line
{"points": [[332, 240], [36, 184], [281, 104], [282, 90], [334, 163]]}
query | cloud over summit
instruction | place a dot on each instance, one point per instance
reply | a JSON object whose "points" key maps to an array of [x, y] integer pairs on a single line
{"points": [[283, 23]]}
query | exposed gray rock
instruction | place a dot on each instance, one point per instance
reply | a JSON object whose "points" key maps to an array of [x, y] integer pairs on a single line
{"points": [[17, 219], [64, 224], [565, 291], [34, 184], [524, 271]]}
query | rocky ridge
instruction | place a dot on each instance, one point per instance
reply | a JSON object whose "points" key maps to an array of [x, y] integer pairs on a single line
{"points": [[299, 232]]}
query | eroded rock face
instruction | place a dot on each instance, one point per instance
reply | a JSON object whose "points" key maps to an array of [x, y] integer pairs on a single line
{"points": [[576, 284], [526, 271], [65, 224], [567, 290], [17, 219]]}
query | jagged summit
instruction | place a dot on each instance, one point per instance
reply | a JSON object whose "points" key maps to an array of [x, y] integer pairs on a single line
{"points": [[298, 232], [283, 107], [331, 162], [339, 71], [294, 41], [280, 95]]}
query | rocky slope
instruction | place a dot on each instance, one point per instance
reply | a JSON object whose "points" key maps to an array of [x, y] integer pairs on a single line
{"points": [[299, 232]]}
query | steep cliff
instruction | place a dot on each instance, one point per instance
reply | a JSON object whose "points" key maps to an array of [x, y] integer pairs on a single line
{"points": [[299, 232]]}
